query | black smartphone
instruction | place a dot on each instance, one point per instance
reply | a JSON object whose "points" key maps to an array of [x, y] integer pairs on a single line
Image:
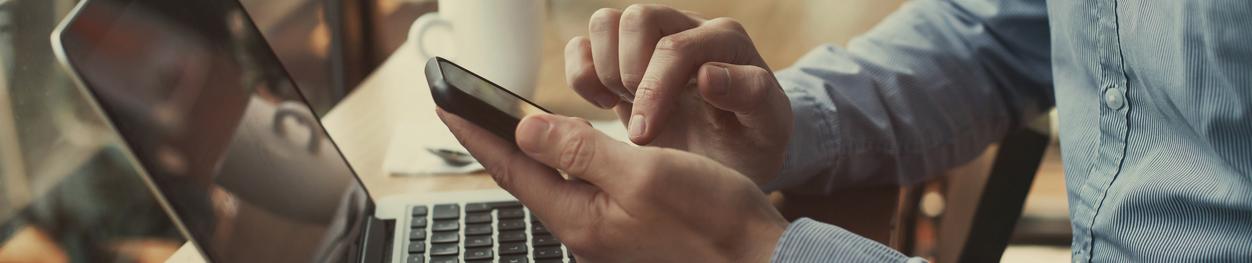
{"points": [[474, 98]]}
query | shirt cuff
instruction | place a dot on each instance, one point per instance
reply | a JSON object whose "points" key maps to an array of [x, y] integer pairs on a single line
{"points": [[806, 240]]}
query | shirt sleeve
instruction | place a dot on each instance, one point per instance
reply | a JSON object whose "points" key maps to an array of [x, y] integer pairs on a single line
{"points": [[928, 88], [806, 240]]}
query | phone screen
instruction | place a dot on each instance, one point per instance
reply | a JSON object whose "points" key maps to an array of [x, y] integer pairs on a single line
{"points": [[486, 91]]}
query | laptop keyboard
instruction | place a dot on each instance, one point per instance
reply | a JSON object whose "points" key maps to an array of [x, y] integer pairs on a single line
{"points": [[481, 232]]}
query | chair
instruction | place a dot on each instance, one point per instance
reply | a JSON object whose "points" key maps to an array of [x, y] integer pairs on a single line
{"points": [[988, 192]]}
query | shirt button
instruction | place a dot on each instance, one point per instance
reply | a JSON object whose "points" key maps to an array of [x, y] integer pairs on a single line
{"points": [[1114, 98]]}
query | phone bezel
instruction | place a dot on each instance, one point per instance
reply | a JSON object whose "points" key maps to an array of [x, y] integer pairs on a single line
{"points": [[452, 99]]}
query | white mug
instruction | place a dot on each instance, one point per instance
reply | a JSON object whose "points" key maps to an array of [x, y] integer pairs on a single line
{"points": [[498, 39]]}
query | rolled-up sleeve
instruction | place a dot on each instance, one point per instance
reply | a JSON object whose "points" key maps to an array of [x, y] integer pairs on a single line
{"points": [[806, 240], [927, 89]]}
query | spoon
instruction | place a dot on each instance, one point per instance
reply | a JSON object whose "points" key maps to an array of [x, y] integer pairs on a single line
{"points": [[452, 157]]}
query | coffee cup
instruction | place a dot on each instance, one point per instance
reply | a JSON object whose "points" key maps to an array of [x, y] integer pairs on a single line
{"points": [[497, 39]]}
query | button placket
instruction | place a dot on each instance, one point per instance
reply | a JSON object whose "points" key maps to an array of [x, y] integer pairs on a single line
{"points": [[1113, 118]]}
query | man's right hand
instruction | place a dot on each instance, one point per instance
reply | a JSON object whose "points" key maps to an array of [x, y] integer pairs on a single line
{"points": [[626, 205], [641, 61]]}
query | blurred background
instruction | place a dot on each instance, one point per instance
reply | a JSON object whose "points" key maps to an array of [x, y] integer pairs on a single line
{"points": [[68, 194]]}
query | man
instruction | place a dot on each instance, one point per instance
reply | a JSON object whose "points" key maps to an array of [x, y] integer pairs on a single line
{"points": [[1155, 103]]}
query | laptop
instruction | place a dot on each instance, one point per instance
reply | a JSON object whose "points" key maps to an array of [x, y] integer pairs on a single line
{"points": [[241, 162]]}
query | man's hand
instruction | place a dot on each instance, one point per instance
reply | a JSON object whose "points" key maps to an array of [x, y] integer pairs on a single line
{"points": [[642, 62], [624, 203]]}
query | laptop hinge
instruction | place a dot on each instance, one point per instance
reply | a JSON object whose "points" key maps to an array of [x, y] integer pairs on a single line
{"points": [[376, 243]]}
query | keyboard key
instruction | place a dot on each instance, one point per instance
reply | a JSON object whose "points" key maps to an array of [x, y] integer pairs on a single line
{"points": [[548, 252], [419, 211], [446, 211], [538, 228], [478, 241], [512, 213], [514, 259], [479, 253], [478, 229], [477, 207], [549, 261], [505, 204], [513, 236], [445, 225], [451, 259], [512, 248], [475, 218], [417, 234], [444, 250], [479, 261], [445, 237], [416, 258], [512, 225], [417, 222], [545, 240], [417, 247]]}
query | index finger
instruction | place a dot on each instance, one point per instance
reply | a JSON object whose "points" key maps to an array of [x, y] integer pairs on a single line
{"points": [[642, 25], [672, 66]]}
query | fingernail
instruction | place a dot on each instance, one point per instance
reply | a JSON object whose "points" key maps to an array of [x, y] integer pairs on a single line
{"points": [[719, 79], [636, 126], [606, 100], [534, 130]]}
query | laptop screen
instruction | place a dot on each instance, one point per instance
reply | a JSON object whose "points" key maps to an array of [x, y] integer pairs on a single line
{"points": [[219, 127]]}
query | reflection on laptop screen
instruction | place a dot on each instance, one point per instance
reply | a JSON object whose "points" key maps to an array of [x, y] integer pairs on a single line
{"points": [[213, 118]]}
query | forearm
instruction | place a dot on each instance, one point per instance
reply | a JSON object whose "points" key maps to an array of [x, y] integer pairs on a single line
{"points": [[928, 89]]}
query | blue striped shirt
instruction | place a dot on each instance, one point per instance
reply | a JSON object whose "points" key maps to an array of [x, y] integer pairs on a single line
{"points": [[1155, 113]]}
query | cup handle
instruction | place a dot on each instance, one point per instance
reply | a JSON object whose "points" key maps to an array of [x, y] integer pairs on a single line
{"points": [[298, 112], [419, 29]]}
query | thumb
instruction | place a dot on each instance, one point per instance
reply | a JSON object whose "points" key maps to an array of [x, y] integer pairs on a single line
{"points": [[751, 92], [574, 147]]}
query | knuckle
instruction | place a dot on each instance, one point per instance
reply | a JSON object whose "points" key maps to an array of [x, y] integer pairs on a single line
{"points": [[677, 44], [639, 17], [575, 46], [639, 11], [578, 151], [645, 89], [635, 18], [604, 20], [726, 22]]}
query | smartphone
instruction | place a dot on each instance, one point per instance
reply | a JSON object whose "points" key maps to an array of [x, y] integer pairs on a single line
{"points": [[474, 98]]}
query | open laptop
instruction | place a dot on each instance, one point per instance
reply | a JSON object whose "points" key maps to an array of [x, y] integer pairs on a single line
{"points": [[240, 160]]}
